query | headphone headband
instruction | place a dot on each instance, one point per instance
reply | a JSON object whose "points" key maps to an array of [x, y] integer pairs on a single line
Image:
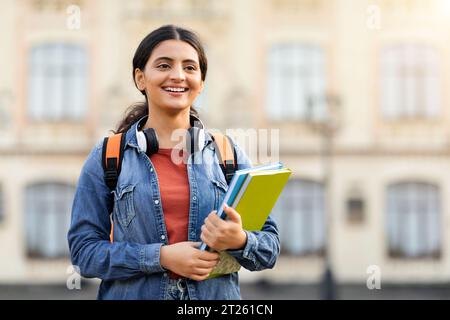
{"points": [[147, 139]]}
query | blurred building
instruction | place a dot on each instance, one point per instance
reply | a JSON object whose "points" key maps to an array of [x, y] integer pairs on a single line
{"points": [[375, 70]]}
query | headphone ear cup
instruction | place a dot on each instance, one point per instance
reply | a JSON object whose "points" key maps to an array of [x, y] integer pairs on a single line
{"points": [[201, 139], [151, 141], [141, 140]]}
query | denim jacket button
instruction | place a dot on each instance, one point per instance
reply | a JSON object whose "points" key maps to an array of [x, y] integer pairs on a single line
{"points": [[156, 201], [194, 198], [163, 237]]}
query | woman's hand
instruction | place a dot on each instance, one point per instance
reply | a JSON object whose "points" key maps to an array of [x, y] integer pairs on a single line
{"points": [[222, 234], [186, 260]]}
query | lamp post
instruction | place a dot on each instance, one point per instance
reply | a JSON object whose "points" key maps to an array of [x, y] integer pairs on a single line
{"points": [[326, 125]]}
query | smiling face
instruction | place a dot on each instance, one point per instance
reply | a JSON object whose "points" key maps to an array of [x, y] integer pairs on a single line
{"points": [[172, 78]]}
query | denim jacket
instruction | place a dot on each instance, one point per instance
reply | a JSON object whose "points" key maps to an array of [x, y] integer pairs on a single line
{"points": [[130, 266]]}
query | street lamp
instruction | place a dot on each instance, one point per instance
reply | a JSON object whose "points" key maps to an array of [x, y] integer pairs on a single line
{"points": [[326, 124]]}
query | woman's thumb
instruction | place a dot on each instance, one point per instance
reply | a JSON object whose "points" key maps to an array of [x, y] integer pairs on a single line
{"points": [[231, 213]]}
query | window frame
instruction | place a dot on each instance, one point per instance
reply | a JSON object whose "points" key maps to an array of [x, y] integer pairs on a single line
{"points": [[54, 65], [306, 67], [41, 194], [293, 196], [397, 235], [407, 70]]}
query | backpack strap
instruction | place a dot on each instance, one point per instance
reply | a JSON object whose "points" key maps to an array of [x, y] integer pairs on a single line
{"points": [[112, 156], [226, 154]]}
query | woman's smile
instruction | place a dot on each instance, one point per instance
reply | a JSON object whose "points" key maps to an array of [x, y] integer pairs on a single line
{"points": [[175, 91]]}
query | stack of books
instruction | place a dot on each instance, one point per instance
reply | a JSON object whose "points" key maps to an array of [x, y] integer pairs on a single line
{"points": [[253, 193]]}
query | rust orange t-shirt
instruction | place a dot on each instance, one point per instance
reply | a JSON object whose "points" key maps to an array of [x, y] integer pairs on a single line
{"points": [[174, 191]]}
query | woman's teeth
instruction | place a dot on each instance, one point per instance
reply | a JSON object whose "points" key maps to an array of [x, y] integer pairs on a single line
{"points": [[175, 89]]}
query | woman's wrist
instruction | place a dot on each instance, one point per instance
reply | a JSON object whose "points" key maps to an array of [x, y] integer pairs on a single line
{"points": [[242, 240], [163, 257]]}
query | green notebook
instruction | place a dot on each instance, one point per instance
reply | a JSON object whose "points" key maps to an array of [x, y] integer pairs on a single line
{"points": [[254, 202]]}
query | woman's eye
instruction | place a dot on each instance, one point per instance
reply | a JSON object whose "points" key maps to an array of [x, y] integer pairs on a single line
{"points": [[165, 66]]}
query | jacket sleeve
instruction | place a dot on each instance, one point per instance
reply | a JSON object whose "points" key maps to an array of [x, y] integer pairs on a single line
{"points": [[263, 247], [90, 248]]}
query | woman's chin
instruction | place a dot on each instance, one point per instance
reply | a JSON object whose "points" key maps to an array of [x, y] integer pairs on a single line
{"points": [[176, 107]]}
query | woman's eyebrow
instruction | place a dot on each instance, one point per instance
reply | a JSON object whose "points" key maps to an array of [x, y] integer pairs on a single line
{"points": [[171, 59]]}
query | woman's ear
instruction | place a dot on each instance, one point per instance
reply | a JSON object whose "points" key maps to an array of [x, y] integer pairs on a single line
{"points": [[139, 78]]}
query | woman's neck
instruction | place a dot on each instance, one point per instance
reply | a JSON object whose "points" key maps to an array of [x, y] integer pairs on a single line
{"points": [[165, 124]]}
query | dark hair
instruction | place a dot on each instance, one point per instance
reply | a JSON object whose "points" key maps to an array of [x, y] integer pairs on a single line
{"points": [[141, 56]]}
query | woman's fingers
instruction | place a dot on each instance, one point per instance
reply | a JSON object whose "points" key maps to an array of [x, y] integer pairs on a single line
{"points": [[199, 277], [205, 234], [208, 256], [212, 221], [199, 274], [202, 271], [207, 263]]}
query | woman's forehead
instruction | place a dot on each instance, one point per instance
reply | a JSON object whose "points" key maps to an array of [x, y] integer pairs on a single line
{"points": [[175, 50]]}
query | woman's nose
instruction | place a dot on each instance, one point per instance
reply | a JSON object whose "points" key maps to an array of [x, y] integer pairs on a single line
{"points": [[177, 73]]}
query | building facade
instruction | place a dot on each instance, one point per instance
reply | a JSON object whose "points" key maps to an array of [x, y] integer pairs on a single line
{"points": [[354, 89]]}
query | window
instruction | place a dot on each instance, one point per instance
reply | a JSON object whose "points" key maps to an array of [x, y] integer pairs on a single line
{"points": [[300, 215], [57, 82], [47, 216], [410, 82], [413, 220], [296, 83]]}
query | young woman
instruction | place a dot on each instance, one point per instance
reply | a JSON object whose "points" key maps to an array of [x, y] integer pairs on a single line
{"points": [[161, 209]]}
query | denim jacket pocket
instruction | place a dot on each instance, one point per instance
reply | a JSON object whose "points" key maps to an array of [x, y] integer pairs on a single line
{"points": [[220, 189], [124, 205]]}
